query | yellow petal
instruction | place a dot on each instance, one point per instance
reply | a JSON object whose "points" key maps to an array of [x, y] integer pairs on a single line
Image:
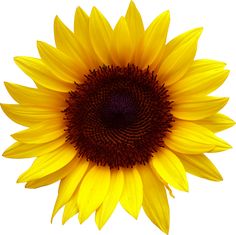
{"points": [[43, 132], [32, 96], [179, 59], [132, 195], [70, 208], [65, 39], [181, 39], [100, 35], [190, 138], [20, 150], [122, 47], [135, 23], [69, 184], [155, 202], [81, 27], [154, 39], [41, 74], [49, 163], [166, 164], [200, 166], [93, 190], [28, 115], [61, 65], [217, 122], [202, 78], [112, 198], [54, 177], [196, 108]]}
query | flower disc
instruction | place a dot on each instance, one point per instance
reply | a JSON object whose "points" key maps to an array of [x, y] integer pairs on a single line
{"points": [[119, 116]]}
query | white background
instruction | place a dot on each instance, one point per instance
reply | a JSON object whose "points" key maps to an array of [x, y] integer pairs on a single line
{"points": [[209, 208]]}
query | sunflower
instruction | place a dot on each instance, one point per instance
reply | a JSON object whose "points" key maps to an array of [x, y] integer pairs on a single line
{"points": [[117, 116]]}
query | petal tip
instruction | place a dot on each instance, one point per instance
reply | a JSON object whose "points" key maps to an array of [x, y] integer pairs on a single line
{"points": [[20, 180], [99, 225], [63, 221], [40, 44], [81, 218], [198, 31], [220, 177], [94, 11], [17, 59], [56, 18], [4, 154], [165, 15]]}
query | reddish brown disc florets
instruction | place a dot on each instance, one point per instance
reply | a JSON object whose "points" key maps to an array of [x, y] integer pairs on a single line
{"points": [[118, 116]]}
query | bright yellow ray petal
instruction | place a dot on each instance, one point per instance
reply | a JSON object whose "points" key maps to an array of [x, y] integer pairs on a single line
{"points": [[93, 190], [181, 39], [49, 163], [217, 122], [54, 177], [190, 138], [132, 195], [167, 165], [21, 150], [195, 108], [70, 208], [154, 40], [155, 202], [69, 184], [200, 166], [81, 24], [62, 65], [27, 115], [81, 28], [135, 23], [65, 39], [43, 132], [178, 60], [112, 198], [33, 96], [122, 47], [203, 77], [41, 74], [204, 65], [100, 35]]}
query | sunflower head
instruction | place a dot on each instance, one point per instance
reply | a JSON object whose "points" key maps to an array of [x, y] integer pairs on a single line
{"points": [[118, 115]]}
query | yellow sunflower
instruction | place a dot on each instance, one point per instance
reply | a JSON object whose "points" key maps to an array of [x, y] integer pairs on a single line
{"points": [[117, 116]]}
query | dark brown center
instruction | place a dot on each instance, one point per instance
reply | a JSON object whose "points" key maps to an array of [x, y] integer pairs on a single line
{"points": [[118, 116]]}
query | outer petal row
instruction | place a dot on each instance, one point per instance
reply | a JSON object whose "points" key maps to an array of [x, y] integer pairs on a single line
{"points": [[190, 138]]}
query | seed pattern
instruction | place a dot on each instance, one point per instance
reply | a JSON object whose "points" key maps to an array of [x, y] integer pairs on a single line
{"points": [[119, 116]]}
